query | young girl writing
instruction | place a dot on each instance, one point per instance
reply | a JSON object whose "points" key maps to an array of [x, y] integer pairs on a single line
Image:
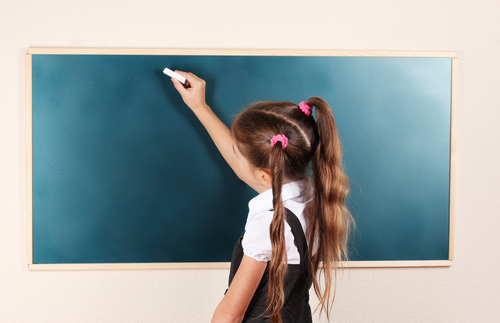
{"points": [[295, 232]]}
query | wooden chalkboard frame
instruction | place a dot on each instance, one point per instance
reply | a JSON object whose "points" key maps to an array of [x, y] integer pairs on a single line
{"points": [[223, 52]]}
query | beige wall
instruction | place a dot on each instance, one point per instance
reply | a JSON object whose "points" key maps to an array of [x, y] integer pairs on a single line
{"points": [[469, 291]]}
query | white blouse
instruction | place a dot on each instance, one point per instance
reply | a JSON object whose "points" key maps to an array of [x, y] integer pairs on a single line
{"points": [[256, 240]]}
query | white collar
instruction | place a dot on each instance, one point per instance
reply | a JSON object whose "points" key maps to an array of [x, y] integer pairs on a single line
{"points": [[264, 201]]}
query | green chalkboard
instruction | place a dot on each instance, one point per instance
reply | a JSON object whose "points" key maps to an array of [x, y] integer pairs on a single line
{"points": [[122, 171]]}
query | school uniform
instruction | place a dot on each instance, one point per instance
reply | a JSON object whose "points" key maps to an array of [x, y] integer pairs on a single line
{"points": [[255, 242]]}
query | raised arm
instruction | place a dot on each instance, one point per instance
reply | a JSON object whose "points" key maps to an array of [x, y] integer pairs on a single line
{"points": [[194, 97]]}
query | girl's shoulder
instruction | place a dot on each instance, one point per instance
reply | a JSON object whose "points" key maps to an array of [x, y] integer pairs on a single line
{"points": [[256, 241]]}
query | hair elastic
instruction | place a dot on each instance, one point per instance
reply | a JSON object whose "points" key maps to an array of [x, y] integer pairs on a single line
{"points": [[305, 108], [282, 138]]}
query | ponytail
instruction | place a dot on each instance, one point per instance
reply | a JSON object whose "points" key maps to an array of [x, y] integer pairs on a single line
{"points": [[330, 221], [278, 263]]}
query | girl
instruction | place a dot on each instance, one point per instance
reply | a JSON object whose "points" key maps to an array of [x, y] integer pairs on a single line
{"points": [[292, 227]]}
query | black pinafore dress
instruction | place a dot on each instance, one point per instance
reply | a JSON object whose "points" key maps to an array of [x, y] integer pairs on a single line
{"points": [[297, 282]]}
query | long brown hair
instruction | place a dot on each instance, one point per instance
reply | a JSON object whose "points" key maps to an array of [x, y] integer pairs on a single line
{"points": [[309, 143]]}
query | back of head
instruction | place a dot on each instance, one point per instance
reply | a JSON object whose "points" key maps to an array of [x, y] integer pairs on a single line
{"points": [[254, 128]]}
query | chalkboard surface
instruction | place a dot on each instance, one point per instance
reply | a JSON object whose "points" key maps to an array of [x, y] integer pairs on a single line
{"points": [[124, 173]]}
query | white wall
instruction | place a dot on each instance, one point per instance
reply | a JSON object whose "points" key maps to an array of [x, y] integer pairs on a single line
{"points": [[469, 291]]}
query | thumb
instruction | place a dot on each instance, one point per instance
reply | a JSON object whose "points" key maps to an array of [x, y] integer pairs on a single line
{"points": [[179, 86]]}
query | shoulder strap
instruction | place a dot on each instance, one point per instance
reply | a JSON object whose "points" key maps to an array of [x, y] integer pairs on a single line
{"points": [[298, 233]]}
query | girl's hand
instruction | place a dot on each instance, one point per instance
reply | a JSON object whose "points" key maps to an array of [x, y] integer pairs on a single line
{"points": [[193, 92]]}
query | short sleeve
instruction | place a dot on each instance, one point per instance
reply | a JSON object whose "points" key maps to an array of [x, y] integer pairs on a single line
{"points": [[256, 241]]}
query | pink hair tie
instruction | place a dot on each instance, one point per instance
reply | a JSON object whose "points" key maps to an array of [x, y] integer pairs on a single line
{"points": [[282, 138], [305, 108]]}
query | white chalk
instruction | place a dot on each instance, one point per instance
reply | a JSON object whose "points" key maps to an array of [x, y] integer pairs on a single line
{"points": [[171, 73]]}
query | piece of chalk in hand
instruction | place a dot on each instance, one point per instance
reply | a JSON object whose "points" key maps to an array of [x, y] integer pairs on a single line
{"points": [[171, 73]]}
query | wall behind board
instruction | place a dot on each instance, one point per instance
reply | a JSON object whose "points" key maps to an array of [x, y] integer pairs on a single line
{"points": [[469, 291]]}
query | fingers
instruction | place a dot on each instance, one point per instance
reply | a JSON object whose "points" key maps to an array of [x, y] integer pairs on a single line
{"points": [[193, 91], [179, 86], [191, 79]]}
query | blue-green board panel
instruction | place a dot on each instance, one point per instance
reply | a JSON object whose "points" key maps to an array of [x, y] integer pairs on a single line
{"points": [[123, 172]]}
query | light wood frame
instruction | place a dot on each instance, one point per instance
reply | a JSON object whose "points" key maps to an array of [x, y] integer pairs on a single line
{"points": [[227, 52]]}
